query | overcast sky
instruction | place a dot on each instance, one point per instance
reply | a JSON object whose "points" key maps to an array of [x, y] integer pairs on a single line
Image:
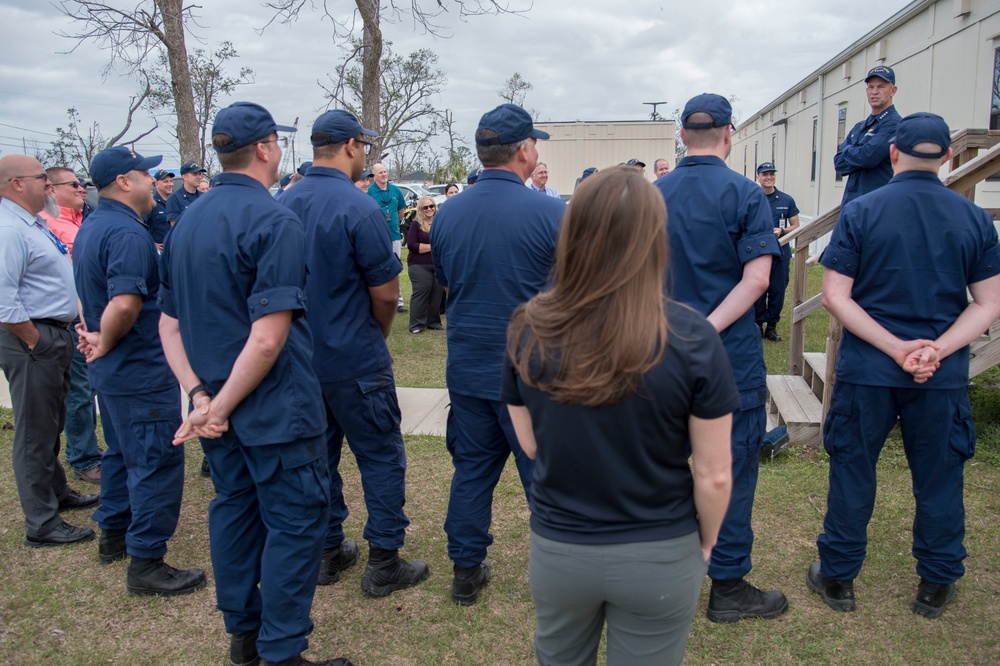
{"points": [[587, 59]]}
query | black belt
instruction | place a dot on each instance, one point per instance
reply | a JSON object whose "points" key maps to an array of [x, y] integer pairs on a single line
{"points": [[52, 322]]}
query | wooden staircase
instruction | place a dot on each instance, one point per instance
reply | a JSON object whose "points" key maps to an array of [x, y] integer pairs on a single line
{"points": [[799, 399]]}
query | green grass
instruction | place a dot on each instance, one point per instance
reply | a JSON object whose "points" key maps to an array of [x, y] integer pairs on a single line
{"points": [[59, 606]]}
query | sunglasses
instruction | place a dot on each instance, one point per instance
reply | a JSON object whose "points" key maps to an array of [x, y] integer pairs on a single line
{"points": [[72, 183], [430, 207]]}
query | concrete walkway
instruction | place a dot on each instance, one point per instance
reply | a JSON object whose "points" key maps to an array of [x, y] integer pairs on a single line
{"points": [[425, 411]]}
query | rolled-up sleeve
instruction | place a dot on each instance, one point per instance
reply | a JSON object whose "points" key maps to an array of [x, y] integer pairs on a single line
{"points": [[12, 266], [280, 268]]}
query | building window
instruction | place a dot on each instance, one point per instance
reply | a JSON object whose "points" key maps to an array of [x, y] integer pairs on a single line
{"points": [[841, 131], [774, 146], [812, 173]]}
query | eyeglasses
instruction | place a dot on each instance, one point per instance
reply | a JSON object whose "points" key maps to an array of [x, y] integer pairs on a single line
{"points": [[428, 207], [41, 176], [366, 144], [72, 183]]}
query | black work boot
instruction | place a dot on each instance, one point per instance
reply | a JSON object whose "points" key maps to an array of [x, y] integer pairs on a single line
{"points": [[468, 581], [301, 661], [837, 594], [206, 471], [111, 546], [734, 600], [387, 572], [156, 577], [336, 560], [243, 649], [771, 333], [932, 598]]}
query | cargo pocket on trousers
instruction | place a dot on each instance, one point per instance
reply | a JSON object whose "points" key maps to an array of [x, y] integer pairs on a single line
{"points": [[839, 421], [962, 442], [381, 402], [153, 427]]}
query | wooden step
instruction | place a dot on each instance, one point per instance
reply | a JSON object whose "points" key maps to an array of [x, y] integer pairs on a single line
{"points": [[814, 372], [792, 400]]}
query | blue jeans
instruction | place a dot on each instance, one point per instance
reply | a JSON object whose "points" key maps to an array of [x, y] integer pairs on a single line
{"points": [[480, 438], [367, 411], [731, 555], [938, 437], [82, 452]]}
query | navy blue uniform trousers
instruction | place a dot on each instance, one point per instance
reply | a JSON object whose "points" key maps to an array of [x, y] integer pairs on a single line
{"points": [[767, 309], [938, 437], [142, 472], [367, 411], [480, 438], [265, 529]]}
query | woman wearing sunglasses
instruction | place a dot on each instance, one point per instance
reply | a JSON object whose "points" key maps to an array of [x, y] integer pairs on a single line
{"points": [[426, 298]]}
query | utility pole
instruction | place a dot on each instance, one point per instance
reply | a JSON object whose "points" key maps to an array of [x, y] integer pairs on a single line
{"points": [[292, 139], [654, 115]]}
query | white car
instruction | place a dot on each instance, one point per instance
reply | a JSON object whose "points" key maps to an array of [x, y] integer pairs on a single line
{"points": [[413, 191]]}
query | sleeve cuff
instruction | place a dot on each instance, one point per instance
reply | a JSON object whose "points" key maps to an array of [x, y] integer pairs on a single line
{"points": [[841, 260], [126, 284], [384, 272], [165, 301], [276, 299], [988, 266], [758, 245]]}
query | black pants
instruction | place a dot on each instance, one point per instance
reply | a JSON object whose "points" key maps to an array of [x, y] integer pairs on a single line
{"points": [[39, 381], [425, 302]]}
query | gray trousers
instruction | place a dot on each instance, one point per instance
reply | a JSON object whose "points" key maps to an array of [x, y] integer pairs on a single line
{"points": [[646, 592], [39, 381], [425, 301]]}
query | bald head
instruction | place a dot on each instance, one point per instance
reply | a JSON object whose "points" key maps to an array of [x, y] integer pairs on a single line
{"points": [[23, 181], [901, 162]]}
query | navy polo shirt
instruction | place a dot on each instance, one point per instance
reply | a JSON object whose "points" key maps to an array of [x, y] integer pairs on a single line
{"points": [[912, 248], [348, 251], [157, 220], [782, 207], [717, 221], [114, 254], [864, 155], [235, 256], [179, 202], [493, 248]]}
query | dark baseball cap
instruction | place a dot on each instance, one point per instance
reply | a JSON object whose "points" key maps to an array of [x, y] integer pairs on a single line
{"points": [[335, 126], [635, 162], [193, 167], [716, 106], [473, 176], [304, 167], [511, 123], [287, 178], [765, 166], [882, 72], [589, 171], [923, 127], [244, 123], [116, 161], [163, 174]]}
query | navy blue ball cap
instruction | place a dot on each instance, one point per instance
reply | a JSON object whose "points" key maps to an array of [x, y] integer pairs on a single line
{"points": [[716, 106], [287, 178], [84, 183], [163, 174], [304, 167], [116, 161], [882, 72], [589, 171], [511, 123], [634, 162], [473, 176], [335, 126], [765, 166], [192, 167], [245, 123], [366, 174], [918, 128]]}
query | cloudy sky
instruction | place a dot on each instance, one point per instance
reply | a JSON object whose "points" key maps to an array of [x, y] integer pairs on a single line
{"points": [[587, 59]]}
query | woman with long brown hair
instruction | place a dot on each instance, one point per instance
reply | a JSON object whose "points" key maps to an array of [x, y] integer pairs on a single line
{"points": [[607, 381], [425, 302]]}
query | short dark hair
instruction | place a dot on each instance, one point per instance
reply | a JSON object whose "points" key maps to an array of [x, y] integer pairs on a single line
{"points": [[495, 155], [236, 159]]}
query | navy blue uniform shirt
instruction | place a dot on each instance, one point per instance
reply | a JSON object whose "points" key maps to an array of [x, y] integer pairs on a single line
{"points": [[348, 251], [493, 248], [179, 202], [157, 220], [235, 256], [912, 248], [782, 208], [114, 254], [864, 155], [717, 220]]}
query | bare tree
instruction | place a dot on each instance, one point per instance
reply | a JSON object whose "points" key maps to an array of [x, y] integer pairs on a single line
{"points": [[209, 83], [75, 145], [133, 35], [406, 87], [427, 15], [514, 89]]}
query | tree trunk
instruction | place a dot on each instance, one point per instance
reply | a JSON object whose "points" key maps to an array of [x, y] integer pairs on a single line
{"points": [[180, 78], [371, 88]]}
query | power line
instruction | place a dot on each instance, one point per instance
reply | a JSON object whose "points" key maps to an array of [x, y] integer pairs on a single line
{"points": [[25, 129], [60, 99]]}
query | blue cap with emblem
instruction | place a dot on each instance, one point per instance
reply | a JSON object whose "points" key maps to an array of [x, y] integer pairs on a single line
{"points": [[765, 167], [117, 161], [882, 72], [335, 126]]}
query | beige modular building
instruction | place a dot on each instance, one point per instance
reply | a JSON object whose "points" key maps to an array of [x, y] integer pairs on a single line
{"points": [[575, 146], [946, 56]]}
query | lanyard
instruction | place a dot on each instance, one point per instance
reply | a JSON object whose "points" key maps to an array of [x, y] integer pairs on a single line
{"points": [[52, 237]]}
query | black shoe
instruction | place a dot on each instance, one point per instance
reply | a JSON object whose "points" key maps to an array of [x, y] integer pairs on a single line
{"points": [[300, 661], [732, 601], [336, 560], [436, 327], [243, 649], [468, 581], [775, 442], [837, 594], [156, 577], [75, 500], [417, 329], [206, 471], [387, 572], [401, 309], [932, 598], [62, 534], [111, 546], [771, 333]]}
